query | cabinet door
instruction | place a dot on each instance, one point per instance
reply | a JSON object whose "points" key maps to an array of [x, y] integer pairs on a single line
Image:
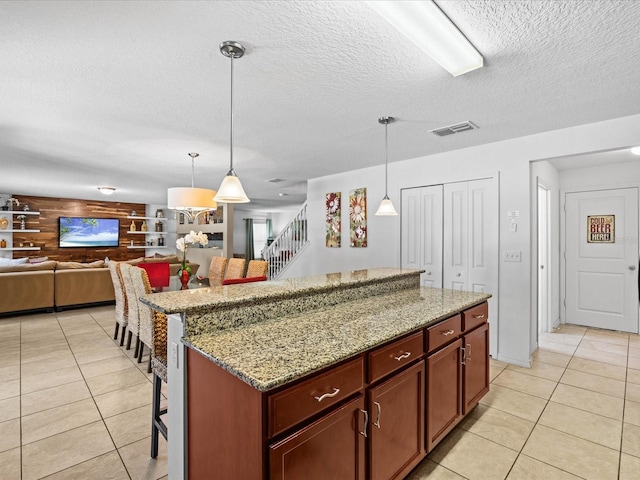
{"points": [[444, 392], [476, 366], [396, 412], [332, 447]]}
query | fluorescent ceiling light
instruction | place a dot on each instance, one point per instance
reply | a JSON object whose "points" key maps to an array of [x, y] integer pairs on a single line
{"points": [[635, 150], [429, 28]]}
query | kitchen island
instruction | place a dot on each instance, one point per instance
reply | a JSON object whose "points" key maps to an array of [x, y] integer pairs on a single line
{"points": [[320, 377]]}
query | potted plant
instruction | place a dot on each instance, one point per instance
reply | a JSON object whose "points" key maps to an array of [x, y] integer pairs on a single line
{"points": [[9, 203]]}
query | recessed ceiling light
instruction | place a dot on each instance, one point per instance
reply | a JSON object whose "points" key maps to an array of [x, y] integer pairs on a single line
{"points": [[283, 194], [106, 190], [635, 150], [274, 180]]}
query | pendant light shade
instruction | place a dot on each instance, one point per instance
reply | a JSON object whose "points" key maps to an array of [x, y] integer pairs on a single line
{"points": [[386, 207], [190, 200], [231, 190]]}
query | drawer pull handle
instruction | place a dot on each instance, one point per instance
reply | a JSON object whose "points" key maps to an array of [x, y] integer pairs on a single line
{"points": [[464, 355], [468, 350], [479, 317], [328, 395], [377, 422], [448, 332], [403, 356], [366, 422]]}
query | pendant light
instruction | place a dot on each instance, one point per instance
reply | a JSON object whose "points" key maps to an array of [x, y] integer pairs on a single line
{"points": [[190, 200], [386, 207], [231, 190]]}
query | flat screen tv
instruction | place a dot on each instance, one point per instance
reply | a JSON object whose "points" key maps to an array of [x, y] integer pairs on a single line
{"points": [[88, 232]]}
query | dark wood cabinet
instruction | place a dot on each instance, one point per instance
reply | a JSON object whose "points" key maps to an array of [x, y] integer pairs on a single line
{"points": [[444, 392], [332, 447], [396, 419], [476, 366], [365, 417]]}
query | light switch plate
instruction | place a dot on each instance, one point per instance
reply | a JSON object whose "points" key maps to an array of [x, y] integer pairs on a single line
{"points": [[174, 354], [512, 256]]}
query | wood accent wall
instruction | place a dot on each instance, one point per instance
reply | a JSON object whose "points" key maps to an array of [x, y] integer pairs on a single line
{"points": [[52, 208]]}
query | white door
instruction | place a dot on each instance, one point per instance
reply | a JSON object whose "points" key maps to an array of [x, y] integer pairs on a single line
{"points": [[471, 236], [543, 259], [421, 218], [456, 237], [601, 249]]}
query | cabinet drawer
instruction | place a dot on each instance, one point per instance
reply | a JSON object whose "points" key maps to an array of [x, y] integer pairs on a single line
{"points": [[475, 316], [444, 332], [304, 400], [385, 360]]}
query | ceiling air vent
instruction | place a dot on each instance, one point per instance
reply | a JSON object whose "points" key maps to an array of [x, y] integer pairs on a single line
{"points": [[274, 180], [451, 129]]}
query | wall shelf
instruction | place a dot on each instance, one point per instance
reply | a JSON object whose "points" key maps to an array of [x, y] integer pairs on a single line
{"points": [[19, 212], [146, 233], [145, 247], [19, 248], [136, 217], [23, 230]]}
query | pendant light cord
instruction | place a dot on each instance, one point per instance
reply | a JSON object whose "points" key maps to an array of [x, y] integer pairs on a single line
{"points": [[193, 167], [231, 132], [386, 159]]}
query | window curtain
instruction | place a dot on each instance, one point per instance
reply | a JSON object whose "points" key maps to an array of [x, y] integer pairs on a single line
{"points": [[269, 231], [248, 251]]}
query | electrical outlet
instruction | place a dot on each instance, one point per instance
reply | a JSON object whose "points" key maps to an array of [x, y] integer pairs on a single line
{"points": [[512, 256]]}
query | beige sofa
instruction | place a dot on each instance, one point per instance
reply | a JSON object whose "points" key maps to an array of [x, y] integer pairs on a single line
{"points": [[27, 287], [55, 285]]}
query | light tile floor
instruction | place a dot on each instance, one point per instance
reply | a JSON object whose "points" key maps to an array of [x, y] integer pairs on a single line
{"points": [[75, 405], [574, 414]]}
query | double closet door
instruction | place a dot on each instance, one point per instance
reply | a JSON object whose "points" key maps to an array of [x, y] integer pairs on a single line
{"points": [[451, 232]]}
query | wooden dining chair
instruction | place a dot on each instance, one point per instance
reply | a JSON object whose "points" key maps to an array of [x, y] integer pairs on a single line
{"points": [[235, 268], [217, 270]]}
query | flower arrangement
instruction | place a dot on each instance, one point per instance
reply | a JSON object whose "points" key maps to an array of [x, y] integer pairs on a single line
{"points": [[183, 244]]}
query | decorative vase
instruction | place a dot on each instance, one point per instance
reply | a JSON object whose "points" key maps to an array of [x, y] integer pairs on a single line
{"points": [[3, 243], [23, 224], [184, 279]]}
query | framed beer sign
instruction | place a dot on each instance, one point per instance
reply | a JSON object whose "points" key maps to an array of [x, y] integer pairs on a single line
{"points": [[601, 228]]}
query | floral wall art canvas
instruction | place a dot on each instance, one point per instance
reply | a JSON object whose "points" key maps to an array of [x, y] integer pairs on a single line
{"points": [[333, 207], [358, 217]]}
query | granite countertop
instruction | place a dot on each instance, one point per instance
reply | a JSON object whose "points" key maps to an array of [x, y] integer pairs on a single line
{"points": [[198, 300], [275, 352]]}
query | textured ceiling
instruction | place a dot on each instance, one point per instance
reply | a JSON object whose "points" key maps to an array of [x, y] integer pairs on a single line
{"points": [[117, 93]]}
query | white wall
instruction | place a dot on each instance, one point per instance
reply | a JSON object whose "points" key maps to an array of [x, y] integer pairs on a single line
{"points": [[510, 160]]}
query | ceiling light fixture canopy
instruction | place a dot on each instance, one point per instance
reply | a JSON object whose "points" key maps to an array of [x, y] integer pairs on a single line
{"points": [[106, 190], [386, 207], [429, 28], [231, 190], [190, 200]]}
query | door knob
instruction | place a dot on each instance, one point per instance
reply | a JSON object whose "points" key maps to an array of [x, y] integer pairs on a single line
{"points": [[632, 267]]}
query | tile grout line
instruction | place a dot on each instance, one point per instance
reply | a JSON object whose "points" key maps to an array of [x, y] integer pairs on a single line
{"points": [[520, 452]]}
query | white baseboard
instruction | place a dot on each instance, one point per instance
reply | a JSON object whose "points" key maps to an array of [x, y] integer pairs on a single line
{"points": [[514, 361]]}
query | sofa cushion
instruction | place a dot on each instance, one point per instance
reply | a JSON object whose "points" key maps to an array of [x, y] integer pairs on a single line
{"points": [[162, 259], [28, 267], [38, 259], [76, 265], [13, 261]]}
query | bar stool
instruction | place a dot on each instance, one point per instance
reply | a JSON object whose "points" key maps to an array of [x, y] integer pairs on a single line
{"points": [[121, 311], [235, 268]]}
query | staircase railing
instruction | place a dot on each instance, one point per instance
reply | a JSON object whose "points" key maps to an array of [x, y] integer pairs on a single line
{"points": [[287, 244]]}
